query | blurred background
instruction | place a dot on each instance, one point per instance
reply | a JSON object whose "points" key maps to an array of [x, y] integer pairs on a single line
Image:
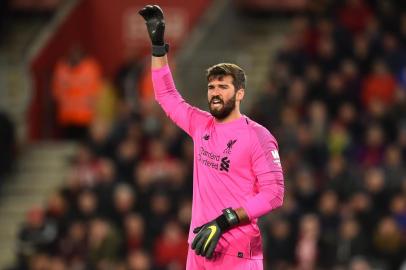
{"points": [[94, 176]]}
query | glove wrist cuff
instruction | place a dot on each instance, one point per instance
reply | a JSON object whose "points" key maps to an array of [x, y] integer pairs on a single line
{"points": [[160, 50], [228, 219]]}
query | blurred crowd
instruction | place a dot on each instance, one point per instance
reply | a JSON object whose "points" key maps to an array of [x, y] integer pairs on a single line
{"points": [[336, 102], [126, 201], [125, 204]]}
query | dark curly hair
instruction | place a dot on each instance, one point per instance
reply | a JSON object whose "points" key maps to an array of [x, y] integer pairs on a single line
{"points": [[224, 69]]}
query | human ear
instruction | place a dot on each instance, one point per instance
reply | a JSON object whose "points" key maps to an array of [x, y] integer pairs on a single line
{"points": [[240, 94]]}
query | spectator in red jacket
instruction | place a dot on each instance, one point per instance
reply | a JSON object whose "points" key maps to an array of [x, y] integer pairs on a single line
{"points": [[379, 85], [171, 247], [354, 15]]}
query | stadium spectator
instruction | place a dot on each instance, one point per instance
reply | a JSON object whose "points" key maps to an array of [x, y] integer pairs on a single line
{"points": [[140, 260], [398, 210], [280, 242], [351, 242], [127, 81], [171, 247], [85, 166], [379, 86], [134, 232], [57, 211], [124, 203], [388, 243], [354, 15], [307, 250], [73, 246], [76, 84], [359, 263], [103, 244], [36, 236], [87, 205]]}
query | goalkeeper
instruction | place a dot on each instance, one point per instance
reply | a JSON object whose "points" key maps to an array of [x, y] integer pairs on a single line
{"points": [[237, 174]]}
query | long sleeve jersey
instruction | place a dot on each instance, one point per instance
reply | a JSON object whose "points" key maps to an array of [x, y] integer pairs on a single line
{"points": [[236, 164]]}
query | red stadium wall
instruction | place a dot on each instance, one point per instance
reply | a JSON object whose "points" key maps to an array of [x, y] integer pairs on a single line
{"points": [[109, 31], [272, 5]]}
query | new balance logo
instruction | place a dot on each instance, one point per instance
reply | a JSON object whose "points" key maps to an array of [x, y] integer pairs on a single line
{"points": [[225, 164]]}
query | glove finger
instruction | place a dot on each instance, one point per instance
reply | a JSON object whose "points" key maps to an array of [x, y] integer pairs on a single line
{"points": [[158, 33], [197, 229], [206, 244], [210, 249], [196, 240], [146, 12], [157, 11], [200, 244]]}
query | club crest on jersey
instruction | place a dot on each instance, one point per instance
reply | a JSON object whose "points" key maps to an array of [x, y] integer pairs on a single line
{"points": [[229, 146], [225, 164], [206, 137]]}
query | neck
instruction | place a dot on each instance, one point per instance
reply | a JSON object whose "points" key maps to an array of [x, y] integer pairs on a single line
{"points": [[235, 114]]}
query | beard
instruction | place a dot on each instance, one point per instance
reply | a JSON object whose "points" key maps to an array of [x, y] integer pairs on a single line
{"points": [[224, 110]]}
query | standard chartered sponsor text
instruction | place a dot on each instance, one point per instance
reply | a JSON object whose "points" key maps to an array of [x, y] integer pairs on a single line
{"points": [[208, 154], [209, 159]]}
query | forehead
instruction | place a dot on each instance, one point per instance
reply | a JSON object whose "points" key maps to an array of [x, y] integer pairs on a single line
{"points": [[223, 79]]}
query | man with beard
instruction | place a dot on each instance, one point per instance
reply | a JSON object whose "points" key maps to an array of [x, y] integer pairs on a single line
{"points": [[237, 173]]}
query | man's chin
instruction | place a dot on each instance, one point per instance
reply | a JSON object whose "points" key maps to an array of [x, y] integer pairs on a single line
{"points": [[223, 110], [218, 114]]}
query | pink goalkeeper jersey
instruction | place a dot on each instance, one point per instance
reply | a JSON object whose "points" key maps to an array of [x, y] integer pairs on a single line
{"points": [[236, 164]]}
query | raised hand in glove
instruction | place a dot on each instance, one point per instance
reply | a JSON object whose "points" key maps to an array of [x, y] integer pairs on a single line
{"points": [[208, 235], [154, 19]]}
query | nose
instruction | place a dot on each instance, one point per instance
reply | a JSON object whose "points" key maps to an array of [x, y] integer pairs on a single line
{"points": [[215, 91]]}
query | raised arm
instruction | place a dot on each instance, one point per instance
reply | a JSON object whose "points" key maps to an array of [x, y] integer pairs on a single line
{"points": [[159, 62], [185, 116], [154, 19]]}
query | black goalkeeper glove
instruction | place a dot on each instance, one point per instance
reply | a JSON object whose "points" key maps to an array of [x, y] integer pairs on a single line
{"points": [[208, 235], [154, 19]]}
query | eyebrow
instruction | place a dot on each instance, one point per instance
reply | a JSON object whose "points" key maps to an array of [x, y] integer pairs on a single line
{"points": [[220, 84]]}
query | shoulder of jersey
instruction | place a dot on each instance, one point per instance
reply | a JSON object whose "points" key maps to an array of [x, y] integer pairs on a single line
{"points": [[259, 129]]}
